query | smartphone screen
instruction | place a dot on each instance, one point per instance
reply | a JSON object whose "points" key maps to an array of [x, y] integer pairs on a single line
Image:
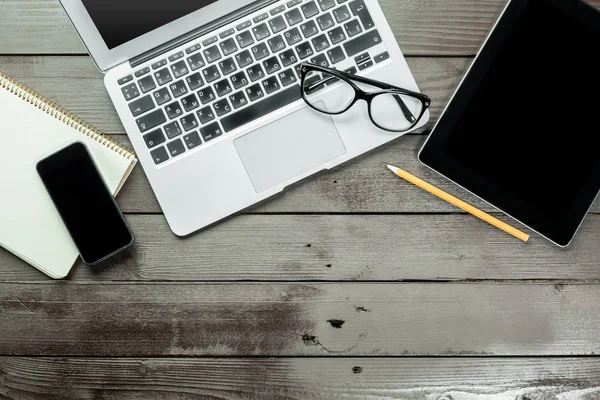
{"points": [[85, 204]]}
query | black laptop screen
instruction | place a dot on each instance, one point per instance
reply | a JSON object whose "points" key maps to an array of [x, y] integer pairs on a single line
{"points": [[120, 21]]}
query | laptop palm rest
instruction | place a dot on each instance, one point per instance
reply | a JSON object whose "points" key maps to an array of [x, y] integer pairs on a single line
{"points": [[289, 147]]}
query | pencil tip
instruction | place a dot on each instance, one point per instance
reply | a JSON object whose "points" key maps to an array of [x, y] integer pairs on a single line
{"points": [[392, 168]]}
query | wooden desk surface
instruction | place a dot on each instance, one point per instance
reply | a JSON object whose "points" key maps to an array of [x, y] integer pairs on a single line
{"points": [[353, 284]]}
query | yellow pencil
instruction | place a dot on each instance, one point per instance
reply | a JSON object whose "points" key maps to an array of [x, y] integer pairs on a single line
{"points": [[459, 203]]}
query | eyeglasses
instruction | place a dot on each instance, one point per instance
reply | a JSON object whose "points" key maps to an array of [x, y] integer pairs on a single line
{"points": [[392, 108]]}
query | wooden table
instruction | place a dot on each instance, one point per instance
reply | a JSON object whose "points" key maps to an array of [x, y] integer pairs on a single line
{"points": [[353, 284]]}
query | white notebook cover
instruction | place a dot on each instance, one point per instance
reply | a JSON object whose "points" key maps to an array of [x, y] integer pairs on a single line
{"points": [[30, 130]]}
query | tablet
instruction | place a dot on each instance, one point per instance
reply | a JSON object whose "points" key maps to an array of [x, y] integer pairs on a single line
{"points": [[522, 131]]}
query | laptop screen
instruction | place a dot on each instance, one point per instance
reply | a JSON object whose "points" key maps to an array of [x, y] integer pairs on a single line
{"points": [[120, 21]]}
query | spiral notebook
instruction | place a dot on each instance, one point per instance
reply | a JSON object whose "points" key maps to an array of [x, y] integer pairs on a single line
{"points": [[31, 128]]}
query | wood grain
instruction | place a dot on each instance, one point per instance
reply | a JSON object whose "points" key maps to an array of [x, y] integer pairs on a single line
{"points": [[336, 248], [303, 378], [299, 320], [76, 84]]}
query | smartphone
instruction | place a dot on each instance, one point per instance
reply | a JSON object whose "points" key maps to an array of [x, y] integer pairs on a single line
{"points": [[85, 204]]}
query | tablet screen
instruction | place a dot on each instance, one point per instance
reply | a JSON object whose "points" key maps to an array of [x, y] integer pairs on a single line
{"points": [[532, 125]]}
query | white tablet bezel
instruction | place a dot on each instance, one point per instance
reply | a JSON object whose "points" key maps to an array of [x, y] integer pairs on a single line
{"points": [[106, 58]]}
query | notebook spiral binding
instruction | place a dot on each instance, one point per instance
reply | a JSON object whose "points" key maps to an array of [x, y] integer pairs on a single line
{"points": [[50, 107]]}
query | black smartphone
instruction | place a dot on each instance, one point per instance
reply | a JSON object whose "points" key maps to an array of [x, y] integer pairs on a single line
{"points": [[85, 204]]}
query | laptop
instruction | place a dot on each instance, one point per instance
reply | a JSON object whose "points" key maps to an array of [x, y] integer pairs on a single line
{"points": [[208, 92]]}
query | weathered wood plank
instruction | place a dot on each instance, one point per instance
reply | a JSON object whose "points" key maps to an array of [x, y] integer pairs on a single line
{"points": [[301, 378], [292, 320], [337, 248], [76, 84]]}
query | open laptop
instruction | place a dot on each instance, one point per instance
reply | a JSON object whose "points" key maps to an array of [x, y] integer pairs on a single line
{"points": [[208, 92]]}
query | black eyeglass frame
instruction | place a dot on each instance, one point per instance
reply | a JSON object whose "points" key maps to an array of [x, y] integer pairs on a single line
{"points": [[368, 97]]}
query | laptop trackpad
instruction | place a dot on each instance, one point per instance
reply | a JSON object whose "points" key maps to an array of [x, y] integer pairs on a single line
{"points": [[289, 147]]}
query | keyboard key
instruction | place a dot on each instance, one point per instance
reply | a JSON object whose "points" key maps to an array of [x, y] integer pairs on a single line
{"points": [[336, 55], [382, 57], [193, 48], [142, 72], [151, 120], [211, 74], [244, 59], [362, 58], [261, 32], [255, 92], [210, 41], [351, 70], [227, 33], [310, 10], [190, 102], [162, 96], [245, 39], [277, 24], [179, 69], [154, 138], [271, 84], [223, 87], [212, 54], [123, 81], [293, 17], [239, 80], [238, 100], [365, 65], [196, 61], [262, 108], [211, 132], [304, 50], [178, 88], [320, 60], [261, 17], [272, 65], [260, 51], [176, 56], [205, 114], [353, 28], [326, 4], [227, 66], [228, 47], [189, 122], [342, 14], [325, 21], [336, 35], [173, 130], [287, 77], [176, 148], [130, 92], [206, 95], [359, 9], [288, 58], [320, 43], [192, 140], [255, 72], [158, 64], [174, 110], [293, 36], [142, 105], [147, 84], [309, 29], [362, 43], [276, 44], [277, 10], [163, 76], [243, 25], [159, 155], [194, 81], [293, 3]]}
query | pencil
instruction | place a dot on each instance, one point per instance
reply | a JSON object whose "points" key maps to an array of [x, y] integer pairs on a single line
{"points": [[459, 203]]}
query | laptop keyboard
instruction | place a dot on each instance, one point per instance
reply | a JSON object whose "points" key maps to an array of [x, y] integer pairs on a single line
{"points": [[236, 76]]}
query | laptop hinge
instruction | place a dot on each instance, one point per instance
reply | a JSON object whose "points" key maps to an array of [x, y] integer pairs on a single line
{"points": [[196, 33]]}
